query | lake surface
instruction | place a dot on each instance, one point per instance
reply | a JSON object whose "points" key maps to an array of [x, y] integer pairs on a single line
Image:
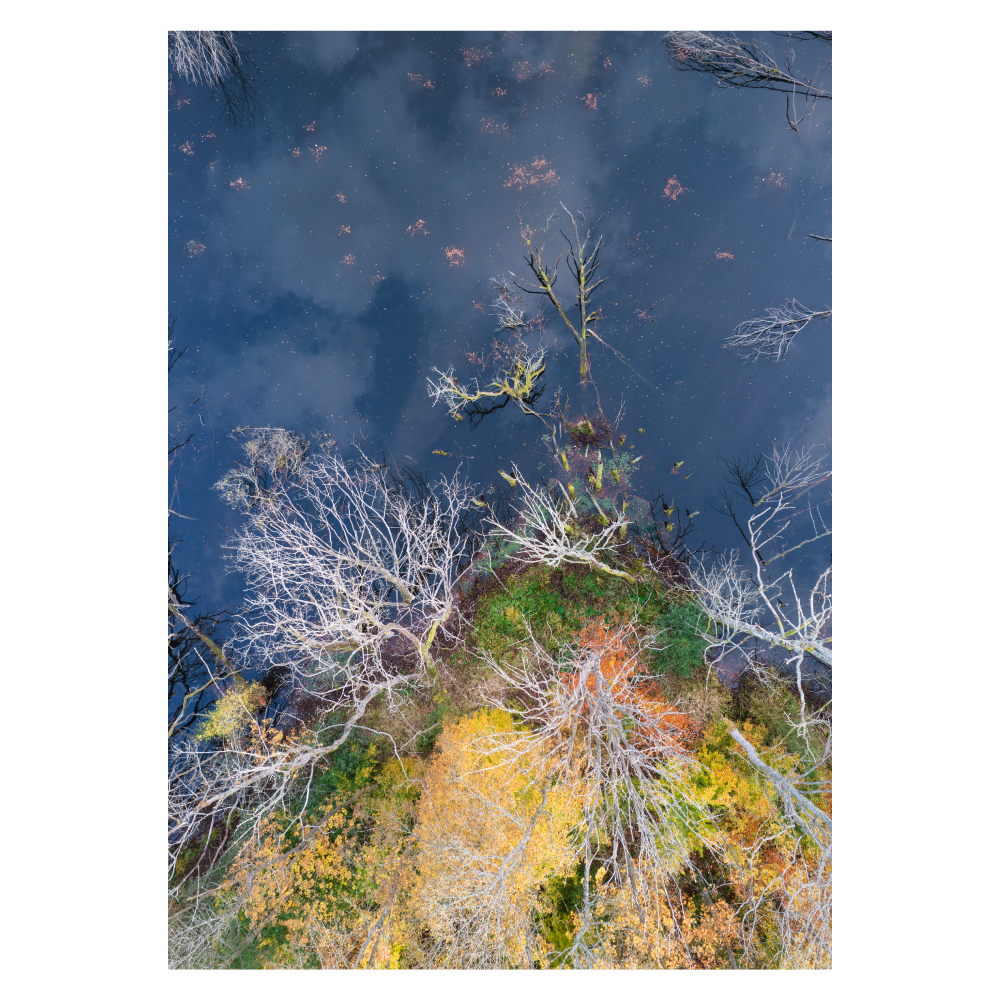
{"points": [[325, 260]]}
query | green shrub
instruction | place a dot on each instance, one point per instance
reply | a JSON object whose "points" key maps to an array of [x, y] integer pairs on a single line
{"points": [[677, 628]]}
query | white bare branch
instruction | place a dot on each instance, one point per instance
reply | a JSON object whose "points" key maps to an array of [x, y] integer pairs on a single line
{"points": [[737, 605], [806, 885], [351, 578], [599, 726], [508, 306], [549, 532], [770, 336], [516, 379], [735, 63], [203, 56], [746, 604], [344, 561], [214, 58]]}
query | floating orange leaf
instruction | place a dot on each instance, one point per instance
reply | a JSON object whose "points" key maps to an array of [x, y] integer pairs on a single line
{"points": [[473, 56], [673, 190], [491, 126], [531, 175]]}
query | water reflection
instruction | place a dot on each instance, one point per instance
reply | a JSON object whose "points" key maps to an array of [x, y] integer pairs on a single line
{"points": [[325, 261]]}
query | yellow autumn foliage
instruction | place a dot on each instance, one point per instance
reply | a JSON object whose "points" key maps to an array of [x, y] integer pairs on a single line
{"points": [[665, 931], [488, 839], [772, 870], [233, 711]]}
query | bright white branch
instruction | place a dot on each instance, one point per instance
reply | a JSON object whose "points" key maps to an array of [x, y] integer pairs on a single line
{"points": [[596, 723], [770, 336], [517, 380], [352, 578], [549, 532]]}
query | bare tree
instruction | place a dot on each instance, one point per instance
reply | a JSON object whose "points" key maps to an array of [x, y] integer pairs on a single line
{"points": [[745, 605], [770, 336], [735, 63], [518, 378], [507, 307], [342, 562], [550, 532], [583, 261], [352, 580], [598, 726], [215, 59], [804, 886]]}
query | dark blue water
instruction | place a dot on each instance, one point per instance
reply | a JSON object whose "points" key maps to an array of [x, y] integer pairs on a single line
{"points": [[326, 259]]}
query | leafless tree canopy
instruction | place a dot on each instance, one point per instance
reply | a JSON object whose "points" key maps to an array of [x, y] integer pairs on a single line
{"points": [[597, 728], [342, 559], [215, 59], [753, 605], [352, 578], [549, 531], [770, 336], [735, 63], [518, 377], [749, 607], [583, 260]]}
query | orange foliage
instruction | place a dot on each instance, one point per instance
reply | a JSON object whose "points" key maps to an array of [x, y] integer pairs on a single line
{"points": [[524, 70], [524, 175], [473, 55], [490, 125], [774, 182], [660, 723], [673, 190]]}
